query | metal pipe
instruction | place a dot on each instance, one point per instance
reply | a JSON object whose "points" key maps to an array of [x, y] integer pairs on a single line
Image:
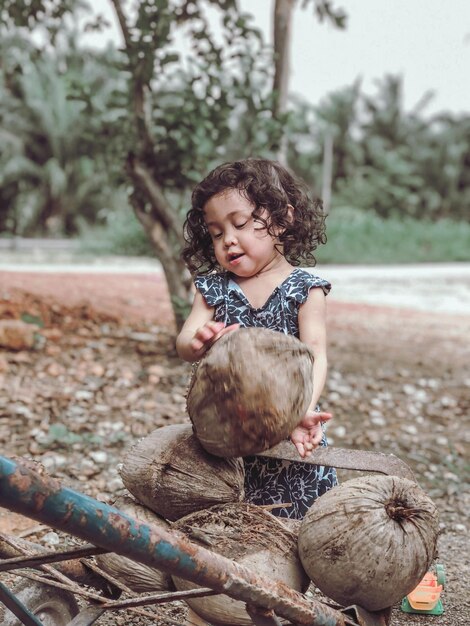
{"points": [[74, 569], [17, 608], [45, 500], [19, 562], [345, 458]]}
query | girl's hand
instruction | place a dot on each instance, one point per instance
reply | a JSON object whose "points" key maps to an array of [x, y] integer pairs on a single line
{"points": [[208, 334], [307, 435]]}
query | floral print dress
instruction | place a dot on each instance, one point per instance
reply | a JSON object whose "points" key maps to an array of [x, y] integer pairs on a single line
{"points": [[272, 481]]}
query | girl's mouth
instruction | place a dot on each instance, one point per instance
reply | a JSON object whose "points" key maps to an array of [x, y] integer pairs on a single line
{"points": [[234, 259]]}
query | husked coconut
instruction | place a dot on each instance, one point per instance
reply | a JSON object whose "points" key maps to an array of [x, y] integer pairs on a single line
{"points": [[251, 537], [171, 473], [369, 541], [138, 577], [250, 391]]}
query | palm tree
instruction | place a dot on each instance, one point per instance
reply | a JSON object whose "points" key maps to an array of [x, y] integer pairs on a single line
{"points": [[51, 154]]}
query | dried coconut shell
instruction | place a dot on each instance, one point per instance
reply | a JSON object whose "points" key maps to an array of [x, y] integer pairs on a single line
{"points": [[369, 541], [251, 537], [171, 473], [138, 577], [250, 391]]}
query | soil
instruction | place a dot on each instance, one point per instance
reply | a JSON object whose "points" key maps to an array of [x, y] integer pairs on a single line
{"points": [[105, 373]]}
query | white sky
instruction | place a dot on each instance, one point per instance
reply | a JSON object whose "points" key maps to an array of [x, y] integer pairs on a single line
{"points": [[425, 41]]}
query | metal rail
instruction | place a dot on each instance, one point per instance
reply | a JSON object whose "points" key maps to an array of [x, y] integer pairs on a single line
{"points": [[48, 557], [45, 500], [343, 458]]}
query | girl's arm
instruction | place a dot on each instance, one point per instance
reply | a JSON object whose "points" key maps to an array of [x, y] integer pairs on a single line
{"points": [[312, 331], [188, 346], [199, 331]]}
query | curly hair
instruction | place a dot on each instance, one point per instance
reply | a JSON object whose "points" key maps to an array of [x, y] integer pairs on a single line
{"points": [[267, 186]]}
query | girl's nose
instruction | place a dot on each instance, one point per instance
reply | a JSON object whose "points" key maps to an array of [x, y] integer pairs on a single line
{"points": [[230, 239]]}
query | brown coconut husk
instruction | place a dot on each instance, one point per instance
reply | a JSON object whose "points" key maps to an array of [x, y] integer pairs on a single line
{"points": [[138, 577], [250, 391], [173, 475], [369, 541], [253, 538]]}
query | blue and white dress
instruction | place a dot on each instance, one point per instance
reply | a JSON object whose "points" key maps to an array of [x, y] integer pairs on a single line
{"points": [[272, 481]]}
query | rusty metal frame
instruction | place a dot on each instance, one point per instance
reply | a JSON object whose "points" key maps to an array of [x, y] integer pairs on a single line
{"points": [[18, 562], [344, 458], [46, 500], [17, 608]]}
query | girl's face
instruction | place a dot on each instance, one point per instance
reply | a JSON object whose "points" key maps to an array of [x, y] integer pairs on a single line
{"points": [[242, 244]]}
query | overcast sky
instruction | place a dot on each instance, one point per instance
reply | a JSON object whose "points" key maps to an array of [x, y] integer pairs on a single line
{"points": [[425, 41]]}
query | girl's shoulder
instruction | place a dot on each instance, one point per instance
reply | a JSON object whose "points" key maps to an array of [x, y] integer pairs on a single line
{"points": [[212, 286], [298, 284]]}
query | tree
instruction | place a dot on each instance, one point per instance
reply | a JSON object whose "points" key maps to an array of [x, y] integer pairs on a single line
{"points": [[50, 154], [179, 110], [201, 122], [282, 44]]}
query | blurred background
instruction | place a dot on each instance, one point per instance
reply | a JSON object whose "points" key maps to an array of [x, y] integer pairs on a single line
{"points": [[110, 111]]}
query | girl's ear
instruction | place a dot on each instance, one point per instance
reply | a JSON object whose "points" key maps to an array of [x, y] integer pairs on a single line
{"points": [[289, 218], [290, 213]]}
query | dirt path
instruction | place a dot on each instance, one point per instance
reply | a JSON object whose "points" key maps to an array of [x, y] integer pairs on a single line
{"points": [[399, 382]]}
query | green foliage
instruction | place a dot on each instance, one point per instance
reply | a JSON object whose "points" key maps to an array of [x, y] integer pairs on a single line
{"points": [[385, 160], [60, 436], [53, 158], [198, 99], [70, 117], [181, 307], [27, 13], [120, 234], [32, 319], [325, 11], [197, 122], [356, 237]]}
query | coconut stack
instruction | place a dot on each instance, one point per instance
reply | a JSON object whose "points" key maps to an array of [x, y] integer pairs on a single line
{"points": [[170, 472], [138, 577], [369, 541], [249, 391], [252, 538]]}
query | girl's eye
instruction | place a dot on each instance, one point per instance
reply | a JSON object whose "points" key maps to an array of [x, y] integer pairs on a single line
{"points": [[216, 235], [239, 226]]}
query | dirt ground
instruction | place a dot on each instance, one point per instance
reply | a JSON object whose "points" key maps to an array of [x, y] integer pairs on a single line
{"points": [[105, 373]]}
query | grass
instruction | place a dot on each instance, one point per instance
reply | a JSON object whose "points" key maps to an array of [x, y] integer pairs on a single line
{"points": [[354, 237], [359, 237], [122, 236]]}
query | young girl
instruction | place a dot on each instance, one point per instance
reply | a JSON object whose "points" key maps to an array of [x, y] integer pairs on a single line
{"points": [[252, 221]]}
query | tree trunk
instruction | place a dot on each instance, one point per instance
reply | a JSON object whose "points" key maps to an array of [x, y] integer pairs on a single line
{"points": [[282, 34], [160, 220], [327, 171], [177, 276], [165, 230]]}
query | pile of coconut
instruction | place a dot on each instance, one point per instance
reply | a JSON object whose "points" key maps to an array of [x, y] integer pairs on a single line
{"points": [[367, 542]]}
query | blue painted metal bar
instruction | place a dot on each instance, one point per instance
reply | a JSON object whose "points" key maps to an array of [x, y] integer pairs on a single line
{"points": [[17, 608], [45, 500]]}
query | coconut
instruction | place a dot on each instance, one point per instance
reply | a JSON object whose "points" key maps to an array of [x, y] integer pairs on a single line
{"points": [[139, 578], [173, 475], [369, 541], [250, 391], [251, 537]]}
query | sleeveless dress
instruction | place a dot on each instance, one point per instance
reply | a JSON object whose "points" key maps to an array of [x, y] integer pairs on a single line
{"points": [[272, 481]]}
